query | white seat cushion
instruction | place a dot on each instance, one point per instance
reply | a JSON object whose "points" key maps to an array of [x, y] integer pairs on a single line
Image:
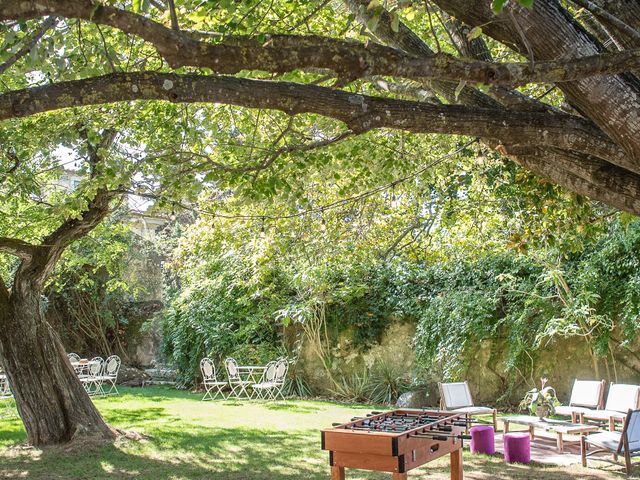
{"points": [[474, 410], [568, 410], [609, 440], [604, 414]]}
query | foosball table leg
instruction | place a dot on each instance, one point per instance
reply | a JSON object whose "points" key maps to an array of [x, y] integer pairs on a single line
{"points": [[456, 465], [399, 476], [337, 473]]}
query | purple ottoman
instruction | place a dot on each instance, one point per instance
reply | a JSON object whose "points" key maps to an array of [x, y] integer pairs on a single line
{"points": [[482, 440], [517, 447]]}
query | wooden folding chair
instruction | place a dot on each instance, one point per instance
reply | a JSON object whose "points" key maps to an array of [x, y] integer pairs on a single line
{"points": [[626, 442]]}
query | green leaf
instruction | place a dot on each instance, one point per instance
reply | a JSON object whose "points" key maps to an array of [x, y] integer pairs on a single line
{"points": [[474, 33], [395, 22], [526, 3], [498, 5], [374, 5], [137, 6], [372, 23], [459, 88]]}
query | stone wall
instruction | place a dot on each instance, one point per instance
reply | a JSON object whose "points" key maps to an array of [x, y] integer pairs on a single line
{"points": [[561, 361]]}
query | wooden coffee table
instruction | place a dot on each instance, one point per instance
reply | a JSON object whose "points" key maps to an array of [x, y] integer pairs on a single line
{"points": [[559, 427]]}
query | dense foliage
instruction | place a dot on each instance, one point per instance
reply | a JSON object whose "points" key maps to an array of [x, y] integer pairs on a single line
{"points": [[572, 274], [225, 310]]}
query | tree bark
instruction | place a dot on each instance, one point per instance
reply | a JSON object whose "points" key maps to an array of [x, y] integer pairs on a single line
{"points": [[51, 401], [549, 32], [627, 11]]}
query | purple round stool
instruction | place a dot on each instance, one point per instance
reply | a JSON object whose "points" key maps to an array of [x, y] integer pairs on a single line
{"points": [[517, 447], [482, 440]]}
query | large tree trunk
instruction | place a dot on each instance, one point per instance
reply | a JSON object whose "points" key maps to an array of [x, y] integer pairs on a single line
{"points": [[50, 399]]}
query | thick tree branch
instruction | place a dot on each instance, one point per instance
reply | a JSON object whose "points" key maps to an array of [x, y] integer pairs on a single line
{"points": [[610, 20], [404, 39], [612, 102], [627, 11], [477, 48], [359, 112], [29, 44], [16, 247], [349, 59], [582, 174], [35, 269]]}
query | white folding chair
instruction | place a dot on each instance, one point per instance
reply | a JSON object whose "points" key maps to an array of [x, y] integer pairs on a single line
{"points": [[282, 368], [7, 402], [5, 389], [210, 380], [110, 374], [236, 382], [73, 357], [263, 389], [626, 442], [92, 380]]}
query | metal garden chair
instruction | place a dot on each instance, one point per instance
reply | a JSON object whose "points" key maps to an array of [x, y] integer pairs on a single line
{"points": [[110, 374], [210, 380], [267, 383], [92, 380], [282, 368], [73, 357], [236, 382]]}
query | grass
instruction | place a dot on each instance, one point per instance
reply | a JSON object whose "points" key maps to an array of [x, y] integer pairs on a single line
{"points": [[227, 440]]}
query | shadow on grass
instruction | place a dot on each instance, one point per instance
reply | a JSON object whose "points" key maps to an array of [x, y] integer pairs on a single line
{"points": [[231, 454], [292, 407], [493, 467], [193, 452], [136, 415]]}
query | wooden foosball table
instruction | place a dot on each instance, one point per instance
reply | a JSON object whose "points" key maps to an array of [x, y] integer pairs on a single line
{"points": [[396, 442]]}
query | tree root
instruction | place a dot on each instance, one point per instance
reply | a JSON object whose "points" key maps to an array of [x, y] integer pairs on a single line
{"points": [[132, 435]]}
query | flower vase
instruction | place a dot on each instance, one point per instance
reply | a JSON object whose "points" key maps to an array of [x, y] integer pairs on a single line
{"points": [[543, 413]]}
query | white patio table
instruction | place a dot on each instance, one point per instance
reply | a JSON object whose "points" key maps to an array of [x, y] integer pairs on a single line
{"points": [[251, 373], [82, 367]]}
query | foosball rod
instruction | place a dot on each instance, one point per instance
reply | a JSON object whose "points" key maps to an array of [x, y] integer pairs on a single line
{"points": [[440, 436], [426, 417]]}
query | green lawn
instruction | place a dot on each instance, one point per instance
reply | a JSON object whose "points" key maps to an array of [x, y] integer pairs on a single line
{"points": [[225, 440]]}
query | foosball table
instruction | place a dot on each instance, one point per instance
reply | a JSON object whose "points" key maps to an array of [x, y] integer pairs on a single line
{"points": [[396, 442]]}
